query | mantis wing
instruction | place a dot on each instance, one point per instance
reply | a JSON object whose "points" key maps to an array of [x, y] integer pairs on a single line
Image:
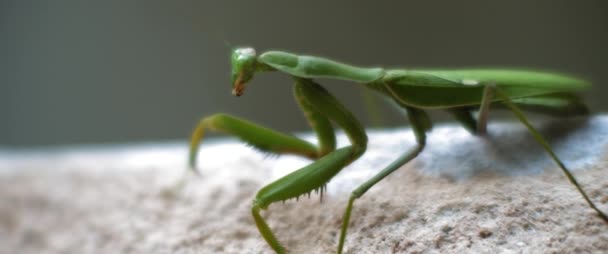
{"points": [[452, 88]]}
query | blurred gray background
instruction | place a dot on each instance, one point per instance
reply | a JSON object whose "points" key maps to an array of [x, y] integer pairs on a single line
{"points": [[129, 71]]}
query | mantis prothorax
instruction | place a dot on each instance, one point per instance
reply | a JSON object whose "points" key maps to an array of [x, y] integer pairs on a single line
{"points": [[459, 92]]}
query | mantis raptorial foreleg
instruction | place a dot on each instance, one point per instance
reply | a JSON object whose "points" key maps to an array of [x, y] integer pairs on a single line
{"points": [[518, 113], [300, 182], [318, 107], [266, 139], [314, 176], [420, 124], [257, 136], [261, 138]]}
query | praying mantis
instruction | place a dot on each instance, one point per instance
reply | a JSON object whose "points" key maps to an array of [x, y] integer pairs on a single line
{"points": [[459, 92]]}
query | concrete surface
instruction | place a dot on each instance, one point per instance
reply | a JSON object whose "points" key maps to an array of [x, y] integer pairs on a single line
{"points": [[463, 194]]}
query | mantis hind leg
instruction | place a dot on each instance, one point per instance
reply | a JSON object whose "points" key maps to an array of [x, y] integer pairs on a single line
{"points": [[555, 104], [519, 114], [420, 124]]}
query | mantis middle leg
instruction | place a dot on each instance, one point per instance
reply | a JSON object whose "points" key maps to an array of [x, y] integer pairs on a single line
{"points": [[420, 124], [484, 109]]}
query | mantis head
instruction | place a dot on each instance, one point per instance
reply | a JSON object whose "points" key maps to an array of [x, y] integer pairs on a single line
{"points": [[244, 63]]}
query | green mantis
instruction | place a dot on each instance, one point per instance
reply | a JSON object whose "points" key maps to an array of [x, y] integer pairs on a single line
{"points": [[459, 92]]}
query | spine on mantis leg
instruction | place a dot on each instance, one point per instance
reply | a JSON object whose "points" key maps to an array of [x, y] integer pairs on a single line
{"points": [[304, 180]]}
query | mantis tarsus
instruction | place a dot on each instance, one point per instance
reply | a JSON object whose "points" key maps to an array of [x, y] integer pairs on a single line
{"points": [[460, 92]]}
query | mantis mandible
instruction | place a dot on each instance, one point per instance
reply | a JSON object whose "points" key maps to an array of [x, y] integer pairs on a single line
{"points": [[459, 92]]}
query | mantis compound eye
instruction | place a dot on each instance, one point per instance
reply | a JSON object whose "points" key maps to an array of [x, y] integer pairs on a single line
{"points": [[243, 62]]}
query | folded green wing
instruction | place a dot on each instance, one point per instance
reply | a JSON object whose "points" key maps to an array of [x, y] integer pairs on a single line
{"points": [[449, 88]]}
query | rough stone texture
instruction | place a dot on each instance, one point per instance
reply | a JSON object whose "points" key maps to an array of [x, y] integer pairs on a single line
{"points": [[464, 194]]}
